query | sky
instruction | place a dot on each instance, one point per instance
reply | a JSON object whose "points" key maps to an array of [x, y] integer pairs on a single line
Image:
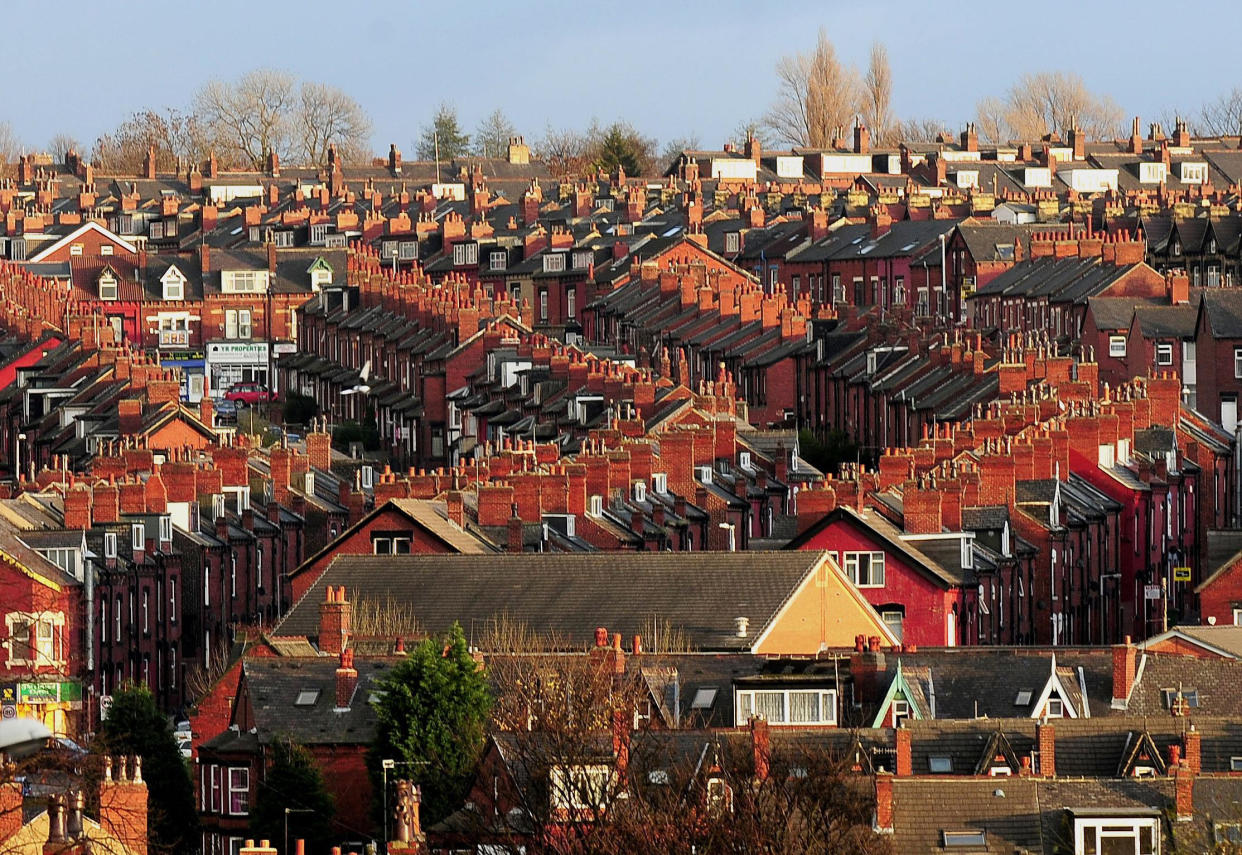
{"points": [[674, 70]]}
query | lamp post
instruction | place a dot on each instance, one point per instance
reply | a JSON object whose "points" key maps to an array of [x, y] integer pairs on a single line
{"points": [[288, 811], [732, 530], [17, 459]]}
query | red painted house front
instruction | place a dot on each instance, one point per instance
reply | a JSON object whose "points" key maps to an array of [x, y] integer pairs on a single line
{"points": [[40, 638], [912, 591]]}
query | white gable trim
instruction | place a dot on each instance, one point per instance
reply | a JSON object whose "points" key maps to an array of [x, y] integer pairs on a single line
{"points": [[1054, 685], [829, 566], [78, 232]]}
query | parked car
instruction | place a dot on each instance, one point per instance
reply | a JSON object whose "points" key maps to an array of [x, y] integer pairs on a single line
{"points": [[246, 394], [226, 412]]}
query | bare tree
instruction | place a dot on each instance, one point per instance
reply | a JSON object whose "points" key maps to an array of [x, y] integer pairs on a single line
{"points": [[746, 129], [564, 150], [673, 149], [990, 120], [174, 135], [878, 94], [61, 144], [918, 130], [10, 149], [818, 97], [1223, 117], [326, 116], [491, 137], [1050, 102], [250, 116]]}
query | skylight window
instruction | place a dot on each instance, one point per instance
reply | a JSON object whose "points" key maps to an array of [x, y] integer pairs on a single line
{"points": [[953, 839], [940, 765], [908, 247], [307, 698], [703, 699], [1023, 698]]}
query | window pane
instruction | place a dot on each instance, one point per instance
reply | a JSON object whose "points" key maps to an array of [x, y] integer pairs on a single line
{"points": [[771, 705], [804, 707]]}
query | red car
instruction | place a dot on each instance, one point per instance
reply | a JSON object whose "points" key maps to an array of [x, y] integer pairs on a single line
{"points": [[246, 394]]}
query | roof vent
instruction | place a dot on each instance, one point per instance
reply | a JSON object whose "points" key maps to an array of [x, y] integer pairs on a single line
{"points": [[743, 626]]}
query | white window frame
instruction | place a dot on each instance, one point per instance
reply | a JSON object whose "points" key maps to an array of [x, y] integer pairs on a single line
{"points": [[108, 286], [1164, 354], [554, 262], [733, 241], [138, 536], [571, 304], [1237, 362], [850, 563], [243, 281], [497, 259], [1117, 346], [575, 787], [242, 786], [1099, 829], [49, 646], [746, 704]]}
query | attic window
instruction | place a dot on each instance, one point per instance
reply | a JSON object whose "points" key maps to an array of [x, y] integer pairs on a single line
{"points": [[1235, 764], [1023, 698], [703, 699], [940, 765], [307, 698], [1191, 696], [1056, 708], [961, 839]]}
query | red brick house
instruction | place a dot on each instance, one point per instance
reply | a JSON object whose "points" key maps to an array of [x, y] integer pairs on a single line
{"points": [[921, 599], [397, 526]]}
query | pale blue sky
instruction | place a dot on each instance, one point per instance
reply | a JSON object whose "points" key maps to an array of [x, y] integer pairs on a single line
{"points": [[673, 69]]}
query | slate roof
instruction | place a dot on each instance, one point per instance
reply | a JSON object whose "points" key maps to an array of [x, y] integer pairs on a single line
{"points": [[1016, 814], [572, 594], [273, 685], [1223, 308]]}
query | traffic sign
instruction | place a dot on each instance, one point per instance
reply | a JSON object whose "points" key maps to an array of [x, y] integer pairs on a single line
{"points": [[1151, 592], [1181, 574]]}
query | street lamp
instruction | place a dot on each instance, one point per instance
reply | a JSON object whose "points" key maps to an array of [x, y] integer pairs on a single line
{"points": [[288, 811], [17, 459]]}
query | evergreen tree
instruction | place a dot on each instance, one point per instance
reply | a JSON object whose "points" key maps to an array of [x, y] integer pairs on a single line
{"points": [[136, 726], [445, 130], [620, 146], [294, 781], [430, 719]]}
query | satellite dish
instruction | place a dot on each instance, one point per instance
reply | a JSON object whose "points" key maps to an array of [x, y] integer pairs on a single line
{"points": [[362, 387], [22, 737]]}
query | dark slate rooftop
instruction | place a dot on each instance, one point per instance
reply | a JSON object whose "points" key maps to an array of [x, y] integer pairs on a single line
{"points": [[570, 595]]}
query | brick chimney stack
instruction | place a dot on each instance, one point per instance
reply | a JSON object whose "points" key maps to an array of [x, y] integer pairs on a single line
{"points": [[761, 747], [335, 617], [1046, 737], [1125, 664], [346, 680], [394, 159], [862, 139], [123, 806]]}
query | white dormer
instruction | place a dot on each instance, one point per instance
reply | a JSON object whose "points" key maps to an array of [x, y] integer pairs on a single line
{"points": [[173, 282], [320, 274], [1154, 172], [640, 491], [1054, 507], [597, 506], [1006, 545], [1194, 172], [1107, 455], [659, 482]]}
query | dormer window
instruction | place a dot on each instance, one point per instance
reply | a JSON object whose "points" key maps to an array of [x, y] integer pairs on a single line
{"points": [[243, 281], [465, 253], [554, 263], [498, 259], [174, 284], [107, 285], [320, 274], [582, 260], [1194, 173]]}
